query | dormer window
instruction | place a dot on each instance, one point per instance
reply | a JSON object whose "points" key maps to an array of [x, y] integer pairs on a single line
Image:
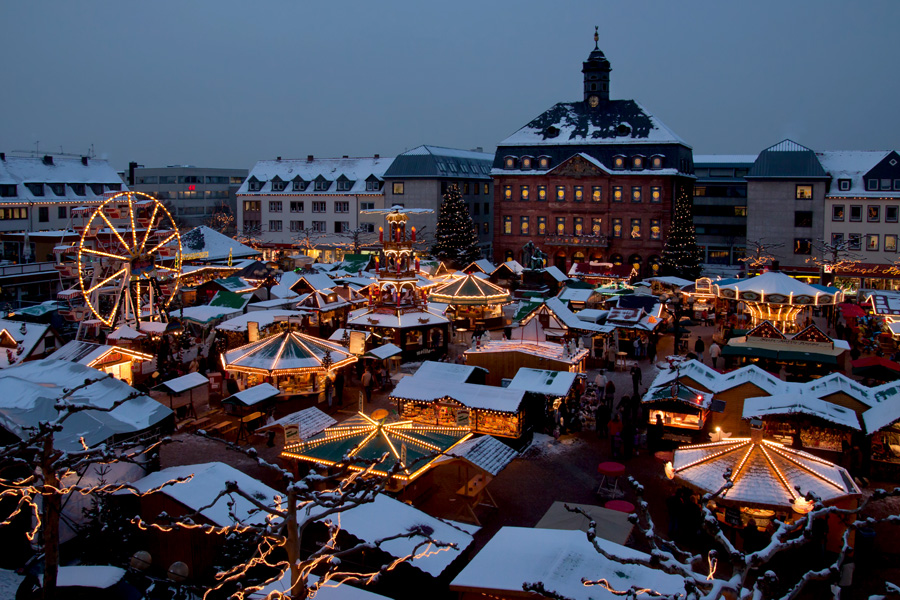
{"points": [[373, 185], [278, 185], [544, 162], [844, 185], [58, 188], [97, 188], [637, 162], [253, 185], [114, 187], [656, 162], [509, 162], [322, 184], [36, 189], [527, 162], [344, 185], [618, 162], [77, 189], [872, 185], [299, 185]]}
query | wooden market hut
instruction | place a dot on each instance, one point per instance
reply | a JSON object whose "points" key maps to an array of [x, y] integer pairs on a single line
{"points": [[682, 408]]}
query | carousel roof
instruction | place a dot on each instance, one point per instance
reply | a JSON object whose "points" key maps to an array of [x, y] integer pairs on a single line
{"points": [[287, 352], [470, 290], [775, 287], [362, 437], [766, 474], [394, 319]]}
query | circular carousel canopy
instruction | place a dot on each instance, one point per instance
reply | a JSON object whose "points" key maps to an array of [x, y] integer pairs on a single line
{"points": [[776, 288], [470, 290], [286, 353]]}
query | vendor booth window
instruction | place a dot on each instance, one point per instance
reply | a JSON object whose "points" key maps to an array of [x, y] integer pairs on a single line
{"points": [[837, 212], [872, 242], [802, 246], [804, 192], [560, 225], [617, 227], [542, 225], [890, 242]]}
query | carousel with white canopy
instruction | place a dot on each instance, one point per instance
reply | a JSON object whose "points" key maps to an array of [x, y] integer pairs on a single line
{"points": [[777, 298]]}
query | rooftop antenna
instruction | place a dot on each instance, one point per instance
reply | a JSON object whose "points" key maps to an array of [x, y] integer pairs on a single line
{"points": [[36, 146]]}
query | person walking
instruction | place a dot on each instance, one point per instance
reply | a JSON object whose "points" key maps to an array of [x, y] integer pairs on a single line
{"points": [[636, 379], [714, 352], [600, 381], [368, 384], [610, 393], [699, 347], [615, 436]]}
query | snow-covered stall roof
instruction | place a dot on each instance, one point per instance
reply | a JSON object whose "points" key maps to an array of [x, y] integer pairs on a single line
{"points": [[793, 404], [364, 317], [31, 390], [87, 353], [673, 281], [184, 383], [570, 320], [384, 351], [327, 592], [208, 244], [486, 452], [125, 332], [468, 394], [27, 341], [512, 265], [255, 395], [204, 314], [558, 558], [556, 274], [39, 310], [316, 281], [97, 577], [575, 294], [431, 370], [886, 407], [541, 381], [207, 480], [719, 382], [309, 422], [384, 517], [263, 317]]}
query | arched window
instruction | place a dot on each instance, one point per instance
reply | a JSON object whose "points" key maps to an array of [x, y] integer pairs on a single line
{"points": [[508, 255], [616, 259], [578, 257]]}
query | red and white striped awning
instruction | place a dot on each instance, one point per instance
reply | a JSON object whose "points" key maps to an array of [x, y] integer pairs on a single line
{"points": [[68, 294]]}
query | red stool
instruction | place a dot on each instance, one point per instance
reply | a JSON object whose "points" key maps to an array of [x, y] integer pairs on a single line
{"points": [[609, 478], [620, 505]]}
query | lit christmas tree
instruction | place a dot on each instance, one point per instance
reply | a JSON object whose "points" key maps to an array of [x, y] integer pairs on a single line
{"points": [[455, 239], [680, 255]]}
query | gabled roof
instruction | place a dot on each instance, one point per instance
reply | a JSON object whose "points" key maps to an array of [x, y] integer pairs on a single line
{"points": [[357, 170], [472, 395], [852, 165], [794, 404], [486, 452], [614, 122], [571, 321], [18, 170], [511, 265], [787, 159], [209, 245], [482, 264]]}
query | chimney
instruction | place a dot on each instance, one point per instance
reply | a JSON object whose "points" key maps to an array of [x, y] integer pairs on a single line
{"points": [[346, 156], [3, 156], [84, 160], [48, 160], [132, 166], [279, 158], [309, 158], [377, 156]]}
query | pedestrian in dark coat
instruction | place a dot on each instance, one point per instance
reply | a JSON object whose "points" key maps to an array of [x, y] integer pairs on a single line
{"points": [[636, 379]]}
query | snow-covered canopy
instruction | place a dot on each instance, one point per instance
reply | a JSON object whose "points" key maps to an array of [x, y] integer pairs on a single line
{"points": [[377, 317], [559, 558], [564, 314], [384, 351], [28, 337], [184, 383], [125, 332], [775, 287], [672, 281], [255, 395], [309, 422], [263, 317], [204, 314], [89, 353], [486, 453], [471, 395], [288, 352], [553, 383], [431, 370], [31, 390], [794, 404]]}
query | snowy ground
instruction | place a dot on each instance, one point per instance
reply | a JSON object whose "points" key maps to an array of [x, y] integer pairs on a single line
{"points": [[9, 583], [546, 445]]}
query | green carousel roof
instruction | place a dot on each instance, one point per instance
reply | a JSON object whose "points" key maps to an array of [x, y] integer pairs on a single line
{"points": [[286, 353], [470, 290], [362, 437]]}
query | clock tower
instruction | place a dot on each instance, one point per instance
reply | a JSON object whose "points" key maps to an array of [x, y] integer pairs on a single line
{"points": [[596, 75]]}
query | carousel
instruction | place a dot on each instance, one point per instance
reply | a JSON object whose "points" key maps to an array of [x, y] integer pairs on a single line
{"points": [[474, 299], [408, 448], [777, 298], [397, 310], [295, 363]]}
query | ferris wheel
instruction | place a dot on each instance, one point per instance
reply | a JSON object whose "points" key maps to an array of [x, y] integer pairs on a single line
{"points": [[129, 260]]}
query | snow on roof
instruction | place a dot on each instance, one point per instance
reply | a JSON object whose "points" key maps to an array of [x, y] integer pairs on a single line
{"points": [[309, 421], [575, 294], [431, 370], [548, 350], [834, 383], [34, 333], [204, 313], [487, 453], [32, 388], [208, 479], [792, 404], [184, 383], [152, 326], [744, 159], [274, 303], [39, 310], [125, 332], [343, 591], [554, 383], [852, 165], [385, 351], [338, 334], [570, 319], [484, 264], [425, 150], [558, 558], [255, 394], [318, 281], [468, 394], [556, 274], [886, 407], [775, 283], [357, 170], [512, 265], [86, 353], [719, 382], [18, 170], [678, 281], [211, 245], [87, 576], [364, 317], [263, 317], [385, 517]]}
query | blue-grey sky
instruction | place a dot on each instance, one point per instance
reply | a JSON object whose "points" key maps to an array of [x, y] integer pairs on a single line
{"points": [[224, 83]]}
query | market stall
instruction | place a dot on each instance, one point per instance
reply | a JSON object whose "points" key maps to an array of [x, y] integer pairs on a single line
{"points": [[477, 300], [804, 422], [679, 406]]}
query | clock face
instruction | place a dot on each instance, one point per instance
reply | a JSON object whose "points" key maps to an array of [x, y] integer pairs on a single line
{"points": [[593, 101]]}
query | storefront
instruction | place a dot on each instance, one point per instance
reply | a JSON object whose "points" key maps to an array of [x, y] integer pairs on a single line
{"points": [[679, 406]]}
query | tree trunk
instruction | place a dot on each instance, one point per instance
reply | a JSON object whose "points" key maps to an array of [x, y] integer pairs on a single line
{"points": [[298, 588], [51, 504]]}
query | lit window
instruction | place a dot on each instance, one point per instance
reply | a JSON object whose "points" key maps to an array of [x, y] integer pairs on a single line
{"points": [[618, 162], [579, 193], [542, 192], [656, 162], [542, 225], [804, 192], [617, 227], [526, 162], [837, 239], [507, 192], [872, 242], [855, 240], [873, 214], [638, 162], [655, 230], [655, 194], [740, 211], [466, 188], [560, 225], [596, 194], [524, 192], [398, 188], [507, 224], [617, 193], [596, 225], [560, 193], [509, 162], [544, 162], [487, 189], [890, 242], [636, 193], [636, 228], [837, 212], [523, 225], [579, 225]]}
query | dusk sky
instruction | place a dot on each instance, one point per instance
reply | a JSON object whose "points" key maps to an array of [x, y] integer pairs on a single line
{"points": [[227, 83]]}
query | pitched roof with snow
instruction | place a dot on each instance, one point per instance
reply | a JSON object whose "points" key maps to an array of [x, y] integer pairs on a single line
{"points": [[211, 245], [485, 452], [562, 312], [263, 317], [19, 170], [793, 404], [852, 165], [27, 341], [541, 381], [356, 170], [473, 395], [435, 161]]}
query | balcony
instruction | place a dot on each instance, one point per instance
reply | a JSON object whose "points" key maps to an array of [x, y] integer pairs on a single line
{"points": [[587, 241]]}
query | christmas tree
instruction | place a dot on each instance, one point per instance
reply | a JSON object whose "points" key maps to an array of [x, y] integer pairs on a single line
{"points": [[680, 255], [455, 238]]}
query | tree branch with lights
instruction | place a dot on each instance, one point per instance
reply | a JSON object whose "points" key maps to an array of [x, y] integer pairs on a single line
{"points": [[749, 579], [835, 255], [760, 254]]}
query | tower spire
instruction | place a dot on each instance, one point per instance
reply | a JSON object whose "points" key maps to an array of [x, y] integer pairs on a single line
{"points": [[596, 37], [596, 74]]}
